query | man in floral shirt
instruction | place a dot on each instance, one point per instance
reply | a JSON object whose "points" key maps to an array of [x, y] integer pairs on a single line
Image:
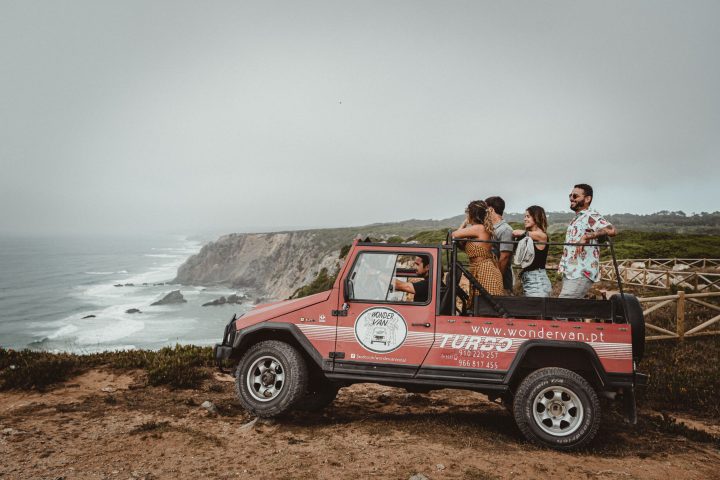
{"points": [[580, 266]]}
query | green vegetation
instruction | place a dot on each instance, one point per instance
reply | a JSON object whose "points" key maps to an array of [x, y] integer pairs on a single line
{"points": [[322, 283], [178, 367], [633, 244], [35, 370], [683, 376]]}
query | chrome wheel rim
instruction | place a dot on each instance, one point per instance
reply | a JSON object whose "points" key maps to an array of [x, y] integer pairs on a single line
{"points": [[558, 411], [265, 378]]}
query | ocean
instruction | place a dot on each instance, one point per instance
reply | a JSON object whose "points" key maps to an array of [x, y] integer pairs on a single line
{"points": [[48, 286]]}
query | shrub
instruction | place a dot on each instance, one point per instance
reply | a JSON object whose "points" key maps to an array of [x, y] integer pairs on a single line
{"points": [[27, 369], [180, 366], [683, 376], [322, 283]]}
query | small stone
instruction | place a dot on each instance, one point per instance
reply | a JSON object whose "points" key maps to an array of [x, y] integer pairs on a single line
{"points": [[440, 466], [8, 431], [210, 407], [107, 389], [419, 476]]}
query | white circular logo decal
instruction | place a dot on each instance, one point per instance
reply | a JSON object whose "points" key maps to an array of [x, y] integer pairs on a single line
{"points": [[380, 329]]}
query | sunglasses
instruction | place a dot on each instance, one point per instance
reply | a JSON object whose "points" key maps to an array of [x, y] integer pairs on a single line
{"points": [[573, 196]]}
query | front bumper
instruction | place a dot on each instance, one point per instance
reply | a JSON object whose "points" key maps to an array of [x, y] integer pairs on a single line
{"points": [[221, 353]]}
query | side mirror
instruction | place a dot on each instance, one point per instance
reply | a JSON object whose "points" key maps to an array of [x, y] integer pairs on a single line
{"points": [[348, 292]]}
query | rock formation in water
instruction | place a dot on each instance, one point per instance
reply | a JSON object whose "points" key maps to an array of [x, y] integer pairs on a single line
{"points": [[173, 297], [230, 300]]}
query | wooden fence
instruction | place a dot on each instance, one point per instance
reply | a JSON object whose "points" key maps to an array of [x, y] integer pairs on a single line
{"points": [[658, 273], [681, 299]]}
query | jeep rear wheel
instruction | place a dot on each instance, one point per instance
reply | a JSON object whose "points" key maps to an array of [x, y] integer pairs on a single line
{"points": [[270, 378], [557, 408]]}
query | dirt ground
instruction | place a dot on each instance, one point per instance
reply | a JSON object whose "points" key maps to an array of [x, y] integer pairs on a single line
{"points": [[105, 425]]}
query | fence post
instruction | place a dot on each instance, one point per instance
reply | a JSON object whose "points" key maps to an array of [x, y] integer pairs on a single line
{"points": [[667, 279], [681, 315]]}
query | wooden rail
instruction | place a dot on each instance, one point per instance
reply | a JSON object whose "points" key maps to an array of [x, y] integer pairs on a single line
{"points": [[658, 273], [681, 300], [669, 263]]}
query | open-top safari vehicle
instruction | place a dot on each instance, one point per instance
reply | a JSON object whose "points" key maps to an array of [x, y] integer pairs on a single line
{"points": [[548, 360]]}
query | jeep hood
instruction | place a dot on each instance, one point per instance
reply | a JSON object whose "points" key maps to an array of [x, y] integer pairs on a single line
{"points": [[268, 311]]}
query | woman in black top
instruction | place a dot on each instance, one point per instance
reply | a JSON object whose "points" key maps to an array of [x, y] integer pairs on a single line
{"points": [[534, 277]]}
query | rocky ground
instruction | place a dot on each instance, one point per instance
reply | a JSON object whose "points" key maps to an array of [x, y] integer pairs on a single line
{"points": [[105, 425]]}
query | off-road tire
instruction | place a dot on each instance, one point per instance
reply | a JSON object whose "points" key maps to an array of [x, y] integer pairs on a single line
{"points": [[273, 359], [320, 395], [565, 389]]}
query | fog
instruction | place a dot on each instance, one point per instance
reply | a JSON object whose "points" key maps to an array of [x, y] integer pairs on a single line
{"points": [[169, 116]]}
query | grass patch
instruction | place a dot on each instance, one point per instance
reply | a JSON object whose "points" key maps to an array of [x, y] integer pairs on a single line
{"points": [[323, 282], [473, 473], [26, 369], [150, 426], [683, 376], [180, 367]]}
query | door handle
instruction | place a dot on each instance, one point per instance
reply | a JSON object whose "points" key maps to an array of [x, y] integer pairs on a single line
{"points": [[426, 325]]}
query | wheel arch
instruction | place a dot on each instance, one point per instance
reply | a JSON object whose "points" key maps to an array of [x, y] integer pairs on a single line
{"points": [[285, 332], [574, 356]]}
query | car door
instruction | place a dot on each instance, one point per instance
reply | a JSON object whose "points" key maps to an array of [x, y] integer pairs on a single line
{"points": [[381, 332]]}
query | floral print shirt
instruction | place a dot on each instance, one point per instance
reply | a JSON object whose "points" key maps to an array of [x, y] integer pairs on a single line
{"points": [[582, 261]]}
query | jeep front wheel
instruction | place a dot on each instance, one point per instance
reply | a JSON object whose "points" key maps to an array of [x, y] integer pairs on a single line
{"points": [[557, 408], [270, 378]]}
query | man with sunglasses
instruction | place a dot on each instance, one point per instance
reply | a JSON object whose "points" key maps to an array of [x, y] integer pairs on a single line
{"points": [[580, 266]]}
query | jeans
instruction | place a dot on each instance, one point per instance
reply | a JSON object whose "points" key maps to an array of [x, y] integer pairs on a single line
{"points": [[575, 287], [536, 283]]}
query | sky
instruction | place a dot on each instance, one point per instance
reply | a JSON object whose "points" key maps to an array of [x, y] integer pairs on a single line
{"points": [[175, 116]]}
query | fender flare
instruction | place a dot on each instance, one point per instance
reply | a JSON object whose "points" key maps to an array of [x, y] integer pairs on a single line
{"points": [[556, 345], [242, 337]]}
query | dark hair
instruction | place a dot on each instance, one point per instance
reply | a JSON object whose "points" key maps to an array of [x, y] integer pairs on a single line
{"points": [[425, 260], [477, 211], [497, 203], [538, 215], [587, 189]]}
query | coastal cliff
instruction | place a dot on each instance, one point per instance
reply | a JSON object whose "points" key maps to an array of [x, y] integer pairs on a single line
{"points": [[272, 265]]}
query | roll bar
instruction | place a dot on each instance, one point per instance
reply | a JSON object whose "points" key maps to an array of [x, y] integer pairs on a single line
{"points": [[451, 246]]}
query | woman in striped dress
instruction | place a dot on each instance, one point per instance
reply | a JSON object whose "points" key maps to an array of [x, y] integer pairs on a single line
{"points": [[483, 265]]}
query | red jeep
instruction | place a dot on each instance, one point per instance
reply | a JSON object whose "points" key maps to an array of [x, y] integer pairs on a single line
{"points": [[547, 359]]}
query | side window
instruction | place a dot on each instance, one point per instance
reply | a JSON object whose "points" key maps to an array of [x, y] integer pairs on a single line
{"points": [[390, 277], [372, 276]]}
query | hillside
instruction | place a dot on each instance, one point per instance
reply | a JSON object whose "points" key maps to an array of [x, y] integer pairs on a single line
{"points": [[273, 265]]}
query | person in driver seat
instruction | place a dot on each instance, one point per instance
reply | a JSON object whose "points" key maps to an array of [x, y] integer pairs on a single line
{"points": [[419, 289]]}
